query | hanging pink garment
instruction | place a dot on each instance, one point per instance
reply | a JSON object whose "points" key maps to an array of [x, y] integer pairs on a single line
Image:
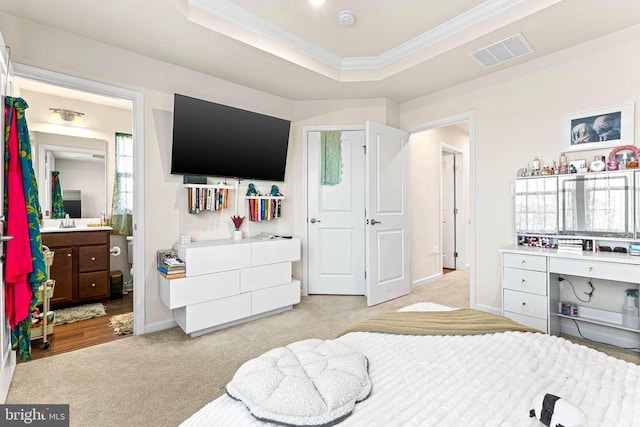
{"points": [[18, 265]]}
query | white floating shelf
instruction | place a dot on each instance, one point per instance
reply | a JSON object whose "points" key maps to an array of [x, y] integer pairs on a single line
{"points": [[217, 186], [597, 322], [265, 197]]}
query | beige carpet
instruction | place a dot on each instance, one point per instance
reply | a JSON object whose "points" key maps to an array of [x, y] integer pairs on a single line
{"points": [[160, 379]]}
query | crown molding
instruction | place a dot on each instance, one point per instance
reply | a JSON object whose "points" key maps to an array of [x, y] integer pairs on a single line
{"points": [[227, 18]]}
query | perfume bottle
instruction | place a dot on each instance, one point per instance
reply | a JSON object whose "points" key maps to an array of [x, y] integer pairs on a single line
{"points": [[535, 166], [562, 164]]}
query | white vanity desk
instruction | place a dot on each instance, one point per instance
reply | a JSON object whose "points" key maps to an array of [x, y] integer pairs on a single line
{"points": [[530, 291]]}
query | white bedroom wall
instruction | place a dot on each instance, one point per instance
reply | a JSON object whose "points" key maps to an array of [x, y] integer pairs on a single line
{"points": [[517, 116]]}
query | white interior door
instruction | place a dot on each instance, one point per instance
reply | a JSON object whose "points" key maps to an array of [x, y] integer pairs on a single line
{"points": [[448, 211], [387, 232], [336, 221], [7, 356]]}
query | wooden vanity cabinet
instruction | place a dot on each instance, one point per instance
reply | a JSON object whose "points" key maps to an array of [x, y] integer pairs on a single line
{"points": [[80, 266]]}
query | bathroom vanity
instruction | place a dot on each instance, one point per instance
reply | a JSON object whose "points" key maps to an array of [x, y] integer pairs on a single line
{"points": [[81, 263]]}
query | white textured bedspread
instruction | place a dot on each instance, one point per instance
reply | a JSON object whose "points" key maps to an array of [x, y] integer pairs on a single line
{"points": [[482, 380]]}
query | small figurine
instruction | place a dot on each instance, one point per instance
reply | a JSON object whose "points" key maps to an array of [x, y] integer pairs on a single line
{"points": [[275, 191], [251, 190]]}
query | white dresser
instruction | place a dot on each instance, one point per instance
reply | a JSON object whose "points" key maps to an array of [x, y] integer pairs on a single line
{"points": [[531, 289], [231, 281]]}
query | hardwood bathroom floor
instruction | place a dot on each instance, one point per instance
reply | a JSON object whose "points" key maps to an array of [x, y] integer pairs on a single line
{"points": [[86, 333]]}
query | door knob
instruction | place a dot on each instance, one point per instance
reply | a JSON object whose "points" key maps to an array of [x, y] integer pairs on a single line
{"points": [[313, 220], [374, 222]]}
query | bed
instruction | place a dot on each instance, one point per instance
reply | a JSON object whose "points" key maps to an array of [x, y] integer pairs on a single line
{"points": [[472, 380]]}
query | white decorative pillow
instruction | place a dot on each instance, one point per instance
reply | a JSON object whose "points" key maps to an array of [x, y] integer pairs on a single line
{"points": [[307, 383]]}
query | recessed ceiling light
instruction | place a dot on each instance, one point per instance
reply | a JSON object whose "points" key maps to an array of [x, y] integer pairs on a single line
{"points": [[317, 2]]}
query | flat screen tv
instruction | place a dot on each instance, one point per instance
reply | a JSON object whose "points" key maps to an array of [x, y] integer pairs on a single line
{"points": [[216, 140]]}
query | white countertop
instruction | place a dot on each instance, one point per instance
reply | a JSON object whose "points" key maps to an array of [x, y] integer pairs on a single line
{"points": [[59, 229], [582, 255]]}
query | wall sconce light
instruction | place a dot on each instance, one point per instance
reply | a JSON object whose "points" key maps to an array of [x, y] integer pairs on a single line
{"points": [[66, 117]]}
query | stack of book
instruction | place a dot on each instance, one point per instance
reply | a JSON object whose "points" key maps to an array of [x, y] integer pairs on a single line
{"points": [[207, 199], [169, 265], [264, 209]]}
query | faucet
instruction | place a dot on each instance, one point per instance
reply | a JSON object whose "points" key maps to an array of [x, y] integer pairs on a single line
{"points": [[66, 222]]}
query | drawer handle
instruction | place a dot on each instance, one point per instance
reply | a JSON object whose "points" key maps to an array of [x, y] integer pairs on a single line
{"points": [[93, 285], [93, 258], [523, 281], [590, 269], [524, 261], [68, 254]]}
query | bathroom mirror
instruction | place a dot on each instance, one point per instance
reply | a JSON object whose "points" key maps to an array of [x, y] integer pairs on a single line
{"points": [[81, 163]]}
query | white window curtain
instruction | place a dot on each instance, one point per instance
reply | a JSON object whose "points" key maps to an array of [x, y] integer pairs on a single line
{"points": [[122, 202]]}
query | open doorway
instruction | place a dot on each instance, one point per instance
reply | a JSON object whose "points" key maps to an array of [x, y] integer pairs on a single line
{"points": [[441, 209], [92, 261], [452, 201]]}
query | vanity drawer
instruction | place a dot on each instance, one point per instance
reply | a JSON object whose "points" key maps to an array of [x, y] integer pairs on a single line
{"points": [[527, 262], [596, 269], [534, 282], [75, 238], [93, 285], [525, 303], [92, 258]]}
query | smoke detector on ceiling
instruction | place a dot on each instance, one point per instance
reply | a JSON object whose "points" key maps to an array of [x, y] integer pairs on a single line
{"points": [[503, 51], [346, 18]]}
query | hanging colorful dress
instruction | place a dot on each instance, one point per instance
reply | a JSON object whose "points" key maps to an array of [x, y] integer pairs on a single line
{"points": [[57, 207], [25, 269]]}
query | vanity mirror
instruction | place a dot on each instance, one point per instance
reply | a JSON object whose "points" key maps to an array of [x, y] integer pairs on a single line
{"points": [[82, 169]]}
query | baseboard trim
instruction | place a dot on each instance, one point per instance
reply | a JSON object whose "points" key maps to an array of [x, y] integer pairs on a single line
{"points": [[159, 326], [426, 280], [489, 309], [616, 337]]}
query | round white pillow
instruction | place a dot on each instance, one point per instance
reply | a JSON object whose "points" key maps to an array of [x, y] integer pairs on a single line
{"points": [[307, 383]]}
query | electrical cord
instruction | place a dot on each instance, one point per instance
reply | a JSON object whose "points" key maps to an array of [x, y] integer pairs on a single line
{"points": [[600, 342], [589, 294]]}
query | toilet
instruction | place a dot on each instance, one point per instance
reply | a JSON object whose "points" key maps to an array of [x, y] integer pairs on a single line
{"points": [[128, 285]]}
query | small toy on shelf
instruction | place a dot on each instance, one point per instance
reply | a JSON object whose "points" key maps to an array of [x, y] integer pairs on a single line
{"points": [[251, 190], [275, 191]]}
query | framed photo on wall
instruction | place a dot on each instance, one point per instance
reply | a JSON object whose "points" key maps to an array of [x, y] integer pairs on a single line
{"points": [[599, 128]]}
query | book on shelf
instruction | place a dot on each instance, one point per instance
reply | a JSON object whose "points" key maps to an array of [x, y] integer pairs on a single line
{"points": [[173, 262], [176, 271], [163, 254], [173, 275]]}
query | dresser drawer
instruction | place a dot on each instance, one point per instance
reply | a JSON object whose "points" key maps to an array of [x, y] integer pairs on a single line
{"points": [[525, 303], [92, 258], [93, 285], [205, 287], [534, 282], [528, 262], [596, 269], [533, 322]]}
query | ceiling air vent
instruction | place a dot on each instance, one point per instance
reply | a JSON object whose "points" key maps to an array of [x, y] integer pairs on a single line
{"points": [[503, 51]]}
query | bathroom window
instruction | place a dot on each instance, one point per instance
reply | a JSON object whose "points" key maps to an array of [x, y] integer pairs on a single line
{"points": [[122, 205]]}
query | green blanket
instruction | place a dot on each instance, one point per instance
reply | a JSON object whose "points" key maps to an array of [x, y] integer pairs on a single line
{"points": [[456, 322]]}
